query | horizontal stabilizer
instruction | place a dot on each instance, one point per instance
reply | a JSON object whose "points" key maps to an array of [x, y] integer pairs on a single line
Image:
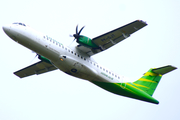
{"points": [[164, 70]]}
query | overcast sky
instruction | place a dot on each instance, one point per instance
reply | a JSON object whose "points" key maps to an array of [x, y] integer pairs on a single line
{"points": [[55, 95]]}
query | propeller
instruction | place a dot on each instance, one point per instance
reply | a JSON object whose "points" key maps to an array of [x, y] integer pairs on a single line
{"points": [[34, 57], [77, 35]]}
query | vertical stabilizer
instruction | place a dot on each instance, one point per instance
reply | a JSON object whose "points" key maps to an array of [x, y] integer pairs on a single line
{"points": [[149, 81]]}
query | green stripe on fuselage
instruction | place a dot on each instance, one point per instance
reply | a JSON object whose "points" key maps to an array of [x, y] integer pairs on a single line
{"points": [[126, 89]]}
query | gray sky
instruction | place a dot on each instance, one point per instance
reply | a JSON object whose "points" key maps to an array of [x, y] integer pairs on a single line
{"points": [[56, 95]]}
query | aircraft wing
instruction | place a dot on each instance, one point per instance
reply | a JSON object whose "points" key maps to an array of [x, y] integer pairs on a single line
{"points": [[113, 37], [37, 68]]}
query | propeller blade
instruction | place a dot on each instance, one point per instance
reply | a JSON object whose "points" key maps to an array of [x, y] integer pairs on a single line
{"points": [[72, 41], [70, 35], [81, 30], [77, 29], [34, 58]]}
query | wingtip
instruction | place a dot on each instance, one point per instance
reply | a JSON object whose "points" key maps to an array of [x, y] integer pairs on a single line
{"points": [[15, 73], [144, 22], [173, 67]]}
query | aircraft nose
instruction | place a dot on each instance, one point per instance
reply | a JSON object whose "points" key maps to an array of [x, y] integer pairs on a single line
{"points": [[6, 28]]}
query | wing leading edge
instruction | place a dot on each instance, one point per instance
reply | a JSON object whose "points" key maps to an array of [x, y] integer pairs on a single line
{"points": [[113, 37], [37, 68]]}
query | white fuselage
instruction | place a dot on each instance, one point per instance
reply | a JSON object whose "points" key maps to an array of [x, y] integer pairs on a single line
{"points": [[71, 61]]}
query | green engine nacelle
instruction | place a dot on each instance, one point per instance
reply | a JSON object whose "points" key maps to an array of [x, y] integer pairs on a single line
{"points": [[87, 42], [44, 59]]}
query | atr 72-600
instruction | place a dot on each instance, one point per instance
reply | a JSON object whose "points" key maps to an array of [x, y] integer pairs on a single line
{"points": [[77, 61]]}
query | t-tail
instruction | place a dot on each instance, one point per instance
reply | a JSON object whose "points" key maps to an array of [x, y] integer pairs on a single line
{"points": [[150, 80], [142, 89]]}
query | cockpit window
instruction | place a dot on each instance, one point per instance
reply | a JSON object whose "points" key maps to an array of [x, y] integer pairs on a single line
{"points": [[19, 23], [15, 23]]}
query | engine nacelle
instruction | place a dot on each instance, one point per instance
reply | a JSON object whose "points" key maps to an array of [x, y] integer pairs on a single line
{"points": [[87, 42], [44, 59]]}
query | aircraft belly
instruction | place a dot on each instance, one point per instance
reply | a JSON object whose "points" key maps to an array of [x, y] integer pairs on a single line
{"points": [[74, 68]]}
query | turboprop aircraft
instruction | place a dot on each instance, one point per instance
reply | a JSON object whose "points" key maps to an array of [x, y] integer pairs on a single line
{"points": [[77, 61]]}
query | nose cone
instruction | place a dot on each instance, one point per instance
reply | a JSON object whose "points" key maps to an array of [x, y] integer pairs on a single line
{"points": [[6, 28], [9, 31]]}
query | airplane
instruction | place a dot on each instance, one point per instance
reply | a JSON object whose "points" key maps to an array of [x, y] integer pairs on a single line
{"points": [[77, 60]]}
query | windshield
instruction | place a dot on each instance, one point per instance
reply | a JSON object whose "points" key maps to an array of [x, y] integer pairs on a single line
{"points": [[19, 23]]}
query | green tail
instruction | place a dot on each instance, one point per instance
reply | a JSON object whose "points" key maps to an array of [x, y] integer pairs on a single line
{"points": [[150, 80]]}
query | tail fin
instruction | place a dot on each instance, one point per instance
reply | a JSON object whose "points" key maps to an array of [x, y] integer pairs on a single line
{"points": [[150, 80]]}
